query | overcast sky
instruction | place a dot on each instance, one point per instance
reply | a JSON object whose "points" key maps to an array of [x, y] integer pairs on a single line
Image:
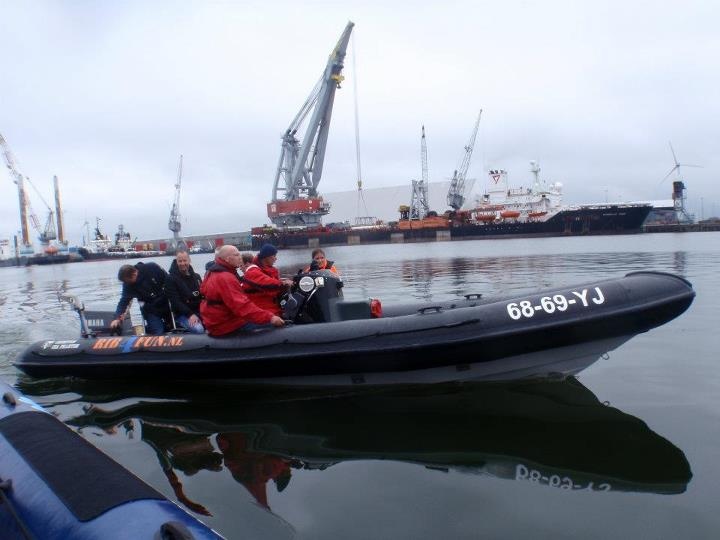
{"points": [[107, 95]]}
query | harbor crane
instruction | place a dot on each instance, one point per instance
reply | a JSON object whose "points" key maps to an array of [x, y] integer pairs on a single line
{"points": [[419, 206], [456, 193], [49, 232], [59, 213], [26, 212], [295, 199], [19, 180], [174, 224]]}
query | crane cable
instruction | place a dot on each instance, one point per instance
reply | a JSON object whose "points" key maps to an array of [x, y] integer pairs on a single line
{"points": [[361, 197]]}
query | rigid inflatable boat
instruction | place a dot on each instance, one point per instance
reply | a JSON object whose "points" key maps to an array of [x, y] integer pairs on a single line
{"points": [[337, 341], [551, 433], [56, 485]]}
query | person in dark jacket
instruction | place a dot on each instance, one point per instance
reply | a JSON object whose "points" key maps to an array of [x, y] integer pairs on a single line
{"points": [[182, 288], [146, 282], [225, 307]]}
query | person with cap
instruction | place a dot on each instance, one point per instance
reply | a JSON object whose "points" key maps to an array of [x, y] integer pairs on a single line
{"points": [[262, 283], [225, 307]]}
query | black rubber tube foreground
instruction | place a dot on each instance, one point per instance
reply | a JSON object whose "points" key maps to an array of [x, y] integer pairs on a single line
{"points": [[87, 481]]}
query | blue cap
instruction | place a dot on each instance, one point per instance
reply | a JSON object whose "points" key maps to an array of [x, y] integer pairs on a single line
{"points": [[267, 250]]}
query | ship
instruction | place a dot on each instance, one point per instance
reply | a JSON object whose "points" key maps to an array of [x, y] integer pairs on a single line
{"points": [[101, 247], [502, 211]]}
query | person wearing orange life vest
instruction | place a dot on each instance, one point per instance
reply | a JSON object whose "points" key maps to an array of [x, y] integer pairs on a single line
{"points": [[320, 262], [261, 281]]}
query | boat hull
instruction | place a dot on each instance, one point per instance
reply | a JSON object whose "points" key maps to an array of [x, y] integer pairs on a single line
{"points": [[603, 220], [407, 340]]}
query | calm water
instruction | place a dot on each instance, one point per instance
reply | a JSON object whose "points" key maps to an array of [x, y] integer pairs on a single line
{"points": [[629, 449]]}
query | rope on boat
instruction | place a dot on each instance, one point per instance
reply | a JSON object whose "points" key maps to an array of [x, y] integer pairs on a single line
{"points": [[6, 485]]}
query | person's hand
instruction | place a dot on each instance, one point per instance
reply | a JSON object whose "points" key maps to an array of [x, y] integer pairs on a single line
{"points": [[287, 282], [116, 322], [277, 321], [194, 319]]}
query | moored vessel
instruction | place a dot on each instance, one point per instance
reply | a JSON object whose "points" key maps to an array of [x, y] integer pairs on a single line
{"points": [[502, 211], [101, 247]]}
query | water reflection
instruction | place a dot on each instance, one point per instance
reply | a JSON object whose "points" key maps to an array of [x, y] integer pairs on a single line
{"points": [[550, 433], [425, 278]]}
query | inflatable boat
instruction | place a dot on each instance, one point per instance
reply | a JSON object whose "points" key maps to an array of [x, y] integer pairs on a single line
{"points": [[56, 485], [335, 341]]}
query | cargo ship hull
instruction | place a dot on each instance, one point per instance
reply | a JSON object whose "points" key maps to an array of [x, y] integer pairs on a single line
{"points": [[590, 220]]}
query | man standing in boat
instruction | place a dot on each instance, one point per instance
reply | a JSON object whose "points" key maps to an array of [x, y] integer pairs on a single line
{"points": [[225, 307], [146, 282], [182, 288]]}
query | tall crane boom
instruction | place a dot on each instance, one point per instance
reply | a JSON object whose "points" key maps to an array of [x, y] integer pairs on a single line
{"points": [[456, 193], [49, 232], [423, 157], [419, 206], [22, 196], [295, 200], [59, 213], [174, 223]]}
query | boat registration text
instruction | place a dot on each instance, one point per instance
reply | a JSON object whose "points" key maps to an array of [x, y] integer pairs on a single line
{"points": [[556, 303]]}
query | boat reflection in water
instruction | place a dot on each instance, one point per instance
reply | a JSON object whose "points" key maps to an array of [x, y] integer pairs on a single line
{"points": [[554, 433]]}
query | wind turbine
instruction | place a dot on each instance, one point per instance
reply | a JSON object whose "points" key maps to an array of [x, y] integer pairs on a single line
{"points": [[678, 192], [677, 165]]}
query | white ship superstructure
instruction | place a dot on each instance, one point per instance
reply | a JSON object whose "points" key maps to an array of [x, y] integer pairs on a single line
{"points": [[539, 202]]}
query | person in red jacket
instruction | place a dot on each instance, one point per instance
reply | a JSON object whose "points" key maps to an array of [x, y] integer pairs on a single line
{"points": [[261, 280], [253, 469], [225, 307]]}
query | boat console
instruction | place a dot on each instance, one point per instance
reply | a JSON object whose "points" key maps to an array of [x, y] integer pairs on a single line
{"points": [[316, 296]]}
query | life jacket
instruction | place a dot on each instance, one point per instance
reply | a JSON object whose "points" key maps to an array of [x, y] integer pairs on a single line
{"points": [[329, 265]]}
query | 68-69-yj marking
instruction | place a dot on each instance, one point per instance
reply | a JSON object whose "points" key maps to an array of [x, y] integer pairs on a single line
{"points": [[556, 303]]}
